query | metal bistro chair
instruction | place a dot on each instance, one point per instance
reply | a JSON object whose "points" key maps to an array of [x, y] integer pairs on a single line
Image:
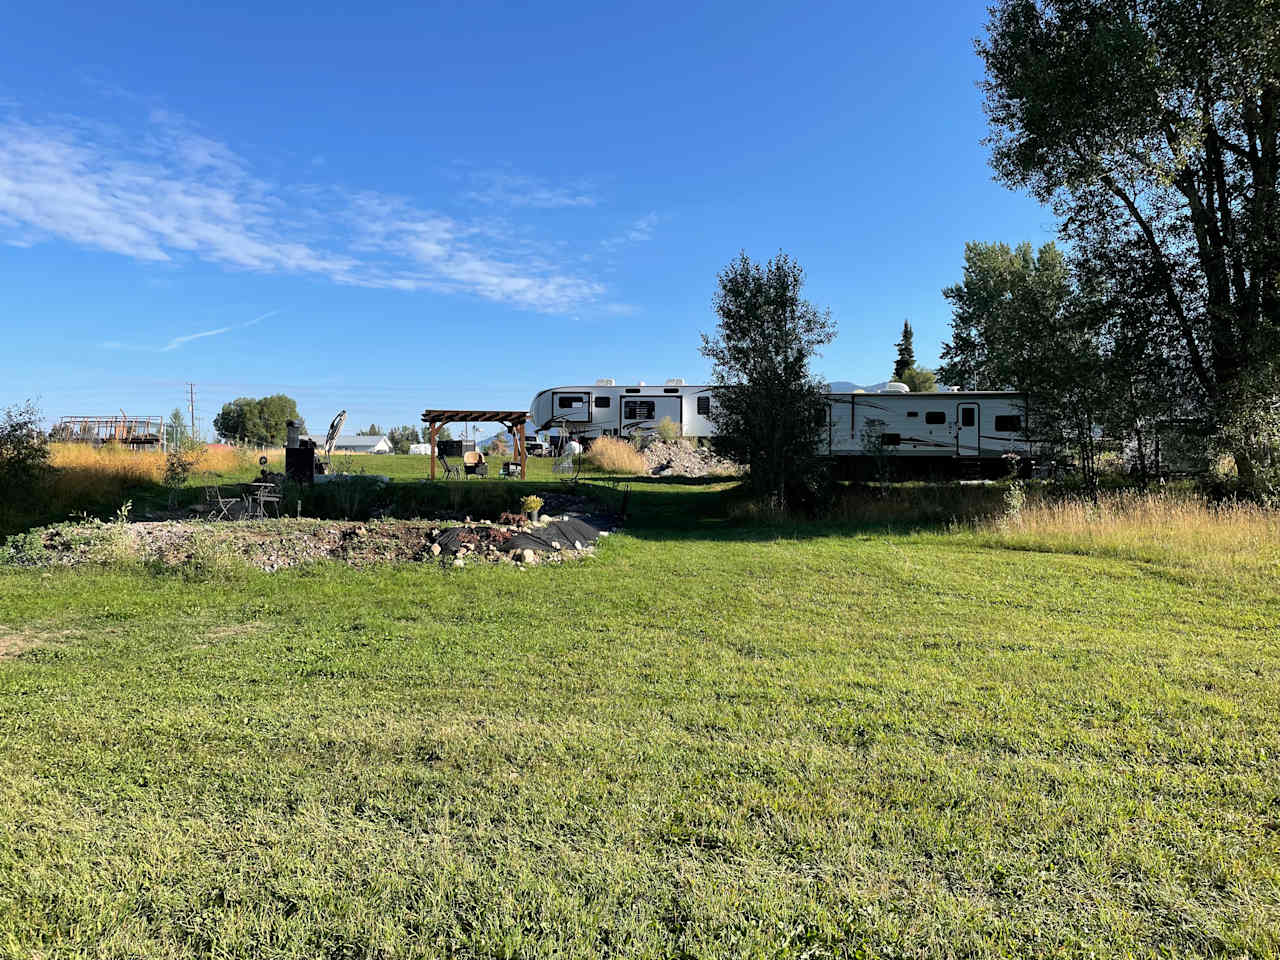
{"points": [[268, 496], [218, 504], [450, 471]]}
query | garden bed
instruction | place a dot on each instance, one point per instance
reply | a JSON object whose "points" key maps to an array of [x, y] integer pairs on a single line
{"points": [[275, 544]]}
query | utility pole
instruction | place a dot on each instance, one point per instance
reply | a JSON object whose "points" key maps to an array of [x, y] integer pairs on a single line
{"points": [[191, 408]]}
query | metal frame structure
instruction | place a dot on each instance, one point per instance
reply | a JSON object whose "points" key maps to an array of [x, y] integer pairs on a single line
{"points": [[135, 432], [513, 420]]}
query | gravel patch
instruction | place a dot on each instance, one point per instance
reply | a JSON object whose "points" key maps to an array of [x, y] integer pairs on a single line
{"points": [[681, 459], [276, 544]]}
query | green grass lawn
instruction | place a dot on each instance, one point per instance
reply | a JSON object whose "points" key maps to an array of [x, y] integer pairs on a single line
{"points": [[707, 740]]}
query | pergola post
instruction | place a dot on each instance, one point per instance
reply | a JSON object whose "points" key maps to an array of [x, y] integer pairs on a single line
{"points": [[514, 420], [433, 428], [524, 455]]}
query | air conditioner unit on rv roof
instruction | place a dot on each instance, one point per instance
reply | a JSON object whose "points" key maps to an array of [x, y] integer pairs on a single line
{"points": [[676, 382], [605, 382]]}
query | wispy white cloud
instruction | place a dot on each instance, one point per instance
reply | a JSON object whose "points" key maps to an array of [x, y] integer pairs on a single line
{"points": [[638, 231], [504, 189], [171, 194], [177, 342]]}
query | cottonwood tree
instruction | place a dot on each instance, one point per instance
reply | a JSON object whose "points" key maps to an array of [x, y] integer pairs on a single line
{"points": [[1156, 124], [919, 379], [768, 407], [260, 422], [1018, 324], [402, 437]]}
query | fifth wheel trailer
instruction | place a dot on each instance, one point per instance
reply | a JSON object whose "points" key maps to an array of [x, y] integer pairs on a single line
{"points": [[908, 434]]}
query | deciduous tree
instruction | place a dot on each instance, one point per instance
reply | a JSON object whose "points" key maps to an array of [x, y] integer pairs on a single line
{"points": [[1155, 125], [260, 422], [769, 410]]}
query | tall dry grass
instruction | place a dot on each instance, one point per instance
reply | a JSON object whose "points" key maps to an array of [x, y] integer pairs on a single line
{"points": [[87, 476], [1175, 529], [616, 456]]}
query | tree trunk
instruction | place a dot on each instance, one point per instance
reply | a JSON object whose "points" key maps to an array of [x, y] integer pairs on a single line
{"points": [[1246, 470]]}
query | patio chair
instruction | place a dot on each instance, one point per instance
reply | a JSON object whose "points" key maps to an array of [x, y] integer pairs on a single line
{"points": [[473, 464], [450, 471], [218, 504], [271, 497]]}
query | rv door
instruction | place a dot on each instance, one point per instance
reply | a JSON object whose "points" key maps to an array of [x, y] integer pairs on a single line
{"points": [[968, 438]]}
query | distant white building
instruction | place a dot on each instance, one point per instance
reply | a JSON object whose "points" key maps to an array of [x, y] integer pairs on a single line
{"points": [[420, 449], [353, 444]]}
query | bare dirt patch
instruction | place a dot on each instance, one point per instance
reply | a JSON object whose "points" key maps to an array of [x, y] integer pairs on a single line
{"points": [[14, 641]]}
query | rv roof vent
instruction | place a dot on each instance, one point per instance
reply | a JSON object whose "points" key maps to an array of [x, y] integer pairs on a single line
{"points": [[605, 382], [895, 387], [641, 383], [676, 382]]}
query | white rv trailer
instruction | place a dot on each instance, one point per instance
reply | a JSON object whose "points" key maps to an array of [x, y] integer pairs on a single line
{"points": [[606, 409], [911, 434], [921, 434]]}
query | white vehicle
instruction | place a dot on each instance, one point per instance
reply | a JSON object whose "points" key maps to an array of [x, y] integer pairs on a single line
{"points": [[606, 409], [923, 434], [909, 434]]}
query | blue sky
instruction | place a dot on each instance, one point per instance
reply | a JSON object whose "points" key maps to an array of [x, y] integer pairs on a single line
{"points": [[388, 208]]}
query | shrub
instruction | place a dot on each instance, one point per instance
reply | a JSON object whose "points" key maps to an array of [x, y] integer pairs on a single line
{"points": [[179, 464], [24, 451], [24, 461], [668, 430], [613, 455]]}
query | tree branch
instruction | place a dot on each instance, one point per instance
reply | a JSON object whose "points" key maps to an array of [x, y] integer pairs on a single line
{"points": [[1167, 284]]}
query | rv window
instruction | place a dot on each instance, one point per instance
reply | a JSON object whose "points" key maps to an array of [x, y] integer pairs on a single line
{"points": [[890, 439], [966, 416], [913, 413], [568, 403], [602, 402], [670, 389], [637, 410], [704, 406], [633, 389], [1008, 423], [935, 416]]}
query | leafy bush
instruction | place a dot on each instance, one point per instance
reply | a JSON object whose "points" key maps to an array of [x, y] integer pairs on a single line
{"points": [[179, 464], [24, 467], [24, 451], [613, 455]]}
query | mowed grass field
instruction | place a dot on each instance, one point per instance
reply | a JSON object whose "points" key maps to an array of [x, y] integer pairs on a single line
{"points": [[708, 740]]}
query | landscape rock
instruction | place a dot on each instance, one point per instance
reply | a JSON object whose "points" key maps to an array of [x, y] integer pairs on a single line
{"points": [[683, 459]]}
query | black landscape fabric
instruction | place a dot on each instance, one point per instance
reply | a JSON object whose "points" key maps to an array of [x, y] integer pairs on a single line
{"points": [[562, 532]]}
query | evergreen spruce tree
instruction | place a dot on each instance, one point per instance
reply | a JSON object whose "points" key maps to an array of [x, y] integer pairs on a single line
{"points": [[906, 352]]}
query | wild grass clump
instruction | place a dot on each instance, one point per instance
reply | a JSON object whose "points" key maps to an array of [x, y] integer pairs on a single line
{"points": [[1171, 528], [613, 455]]}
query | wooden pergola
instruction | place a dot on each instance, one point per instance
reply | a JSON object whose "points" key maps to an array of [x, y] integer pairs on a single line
{"points": [[513, 420]]}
